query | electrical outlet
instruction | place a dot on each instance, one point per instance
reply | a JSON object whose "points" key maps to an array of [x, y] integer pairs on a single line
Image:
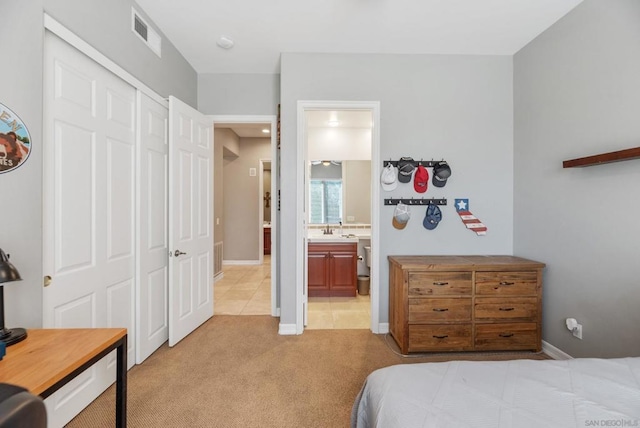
{"points": [[577, 332]]}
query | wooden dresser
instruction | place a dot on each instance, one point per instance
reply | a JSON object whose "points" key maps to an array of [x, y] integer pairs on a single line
{"points": [[465, 303]]}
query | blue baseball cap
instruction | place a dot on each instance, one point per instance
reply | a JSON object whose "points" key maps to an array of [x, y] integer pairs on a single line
{"points": [[432, 217]]}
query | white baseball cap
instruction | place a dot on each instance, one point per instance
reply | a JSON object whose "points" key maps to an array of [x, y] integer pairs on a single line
{"points": [[401, 216], [388, 178]]}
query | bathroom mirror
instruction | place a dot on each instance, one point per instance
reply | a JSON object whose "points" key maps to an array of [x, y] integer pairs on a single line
{"points": [[266, 189], [339, 191], [339, 168]]}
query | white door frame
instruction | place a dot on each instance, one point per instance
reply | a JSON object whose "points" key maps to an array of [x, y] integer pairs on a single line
{"points": [[272, 121], [301, 277]]}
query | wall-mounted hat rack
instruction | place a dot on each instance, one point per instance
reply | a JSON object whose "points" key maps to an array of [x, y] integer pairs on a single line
{"points": [[425, 163], [416, 201]]}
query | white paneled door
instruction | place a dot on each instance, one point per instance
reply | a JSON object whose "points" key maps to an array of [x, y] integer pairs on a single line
{"points": [[190, 220], [89, 210], [152, 317]]}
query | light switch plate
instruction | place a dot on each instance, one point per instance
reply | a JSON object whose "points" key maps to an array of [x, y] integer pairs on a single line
{"points": [[252, 172]]}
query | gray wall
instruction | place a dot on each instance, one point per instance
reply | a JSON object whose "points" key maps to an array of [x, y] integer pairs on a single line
{"points": [[576, 90], [357, 191], [21, 189], [105, 25], [244, 94], [459, 108], [242, 201]]}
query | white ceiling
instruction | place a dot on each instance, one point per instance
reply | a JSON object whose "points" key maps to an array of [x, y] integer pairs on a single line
{"points": [[262, 29], [338, 119], [247, 130], [314, 119]]}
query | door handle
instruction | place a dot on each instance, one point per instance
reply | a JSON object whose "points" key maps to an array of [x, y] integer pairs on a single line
{"points": [[47, 280], [178, 253]]}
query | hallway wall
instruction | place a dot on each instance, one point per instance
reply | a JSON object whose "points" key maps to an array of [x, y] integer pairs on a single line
{"points": [[242, 201]]}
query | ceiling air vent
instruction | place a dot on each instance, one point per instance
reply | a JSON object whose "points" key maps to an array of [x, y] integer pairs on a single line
{"points": [[146, 33]]}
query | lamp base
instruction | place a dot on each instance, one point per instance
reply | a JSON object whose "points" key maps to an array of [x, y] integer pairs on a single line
{"points": [[11, 336]]}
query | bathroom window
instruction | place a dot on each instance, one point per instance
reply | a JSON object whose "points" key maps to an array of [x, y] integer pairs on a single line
{"points": [[326, 201]]}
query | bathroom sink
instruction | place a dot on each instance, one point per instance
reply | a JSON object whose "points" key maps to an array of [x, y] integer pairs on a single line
{"points": [[332, 238]]}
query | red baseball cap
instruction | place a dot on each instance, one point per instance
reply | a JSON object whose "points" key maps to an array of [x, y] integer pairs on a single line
{"points": [[421, 179]]}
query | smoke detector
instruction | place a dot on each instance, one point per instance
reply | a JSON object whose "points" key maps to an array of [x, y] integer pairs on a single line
{"points": [[225, 42]]}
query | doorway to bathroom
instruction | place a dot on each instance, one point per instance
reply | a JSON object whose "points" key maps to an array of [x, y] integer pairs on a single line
{"points": [[340, 157]]}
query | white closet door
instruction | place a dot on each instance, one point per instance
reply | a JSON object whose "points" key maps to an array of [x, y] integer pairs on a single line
{"points": [[190, 219], [89, 206], [152, 227]]}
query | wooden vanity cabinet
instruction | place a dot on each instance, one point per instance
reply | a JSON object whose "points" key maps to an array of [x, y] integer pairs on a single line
{"points": [[465, 303], [267, 240], [332, 269]]}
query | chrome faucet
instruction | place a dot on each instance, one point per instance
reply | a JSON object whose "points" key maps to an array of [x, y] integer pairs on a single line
{"points": [[327, 230]]}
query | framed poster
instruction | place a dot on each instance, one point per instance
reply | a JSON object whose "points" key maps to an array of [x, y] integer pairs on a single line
{"points": [[15, 141]]}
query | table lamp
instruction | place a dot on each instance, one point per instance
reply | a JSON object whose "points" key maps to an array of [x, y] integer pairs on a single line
{"points": [[8, 273]]}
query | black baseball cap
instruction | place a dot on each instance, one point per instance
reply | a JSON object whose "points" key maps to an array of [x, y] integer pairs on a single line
{"points": [[405, 169], [441, 172]]}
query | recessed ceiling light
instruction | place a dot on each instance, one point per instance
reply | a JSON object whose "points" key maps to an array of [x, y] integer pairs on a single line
{"points": [[265, 131], [333, 123], [225, 42]]}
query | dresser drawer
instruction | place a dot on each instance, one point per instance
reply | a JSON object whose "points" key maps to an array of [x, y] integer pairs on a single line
{"points": [[440, 338], [439, 283], [503, 309], [507, 283], [514, 336], [439, 310]]}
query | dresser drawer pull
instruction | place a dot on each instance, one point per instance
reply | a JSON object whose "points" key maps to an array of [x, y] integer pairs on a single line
{"points": [[506, 334], [440, 283], [506, 283], [444, 336], [507, 309], [440, 309]]}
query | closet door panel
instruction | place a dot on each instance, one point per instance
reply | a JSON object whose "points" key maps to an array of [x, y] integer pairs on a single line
{"points": [[89, 210]]}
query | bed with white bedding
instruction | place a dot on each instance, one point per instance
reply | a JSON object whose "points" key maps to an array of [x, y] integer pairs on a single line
{"points": [[506, 394]]}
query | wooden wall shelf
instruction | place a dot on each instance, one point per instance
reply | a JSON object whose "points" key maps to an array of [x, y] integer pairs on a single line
{"points": [[618, 156]]}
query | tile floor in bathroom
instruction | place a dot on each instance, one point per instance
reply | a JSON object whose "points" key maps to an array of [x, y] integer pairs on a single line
{"points": [[246, 290], [327, 313]]}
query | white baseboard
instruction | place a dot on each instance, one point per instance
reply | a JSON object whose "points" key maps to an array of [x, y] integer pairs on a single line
{"points": [[383, 328], [555, 353], [218, 277], [287, 330], [240, 262]]}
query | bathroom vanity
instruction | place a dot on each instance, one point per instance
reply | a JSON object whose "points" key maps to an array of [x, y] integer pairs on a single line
{"points": [[266, 239], [332, 267]]}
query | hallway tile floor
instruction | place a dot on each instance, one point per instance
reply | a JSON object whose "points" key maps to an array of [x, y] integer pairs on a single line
{"points": [[244, 290]]}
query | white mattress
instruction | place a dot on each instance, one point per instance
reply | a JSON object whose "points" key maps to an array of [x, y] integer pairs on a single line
{"points": [[505, 394]]}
